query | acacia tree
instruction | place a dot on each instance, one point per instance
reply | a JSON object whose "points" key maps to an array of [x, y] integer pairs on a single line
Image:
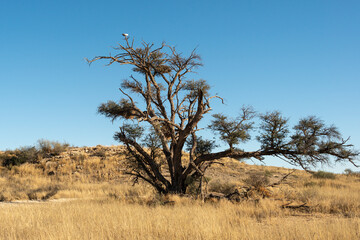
{"points": [[161, 111]]}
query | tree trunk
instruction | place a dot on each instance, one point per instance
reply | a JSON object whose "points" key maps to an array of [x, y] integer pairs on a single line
{"points": [[178, 186]]}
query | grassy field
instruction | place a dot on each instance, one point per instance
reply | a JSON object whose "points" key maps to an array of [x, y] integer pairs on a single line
{"points": [[110, 219], [82, 194]]}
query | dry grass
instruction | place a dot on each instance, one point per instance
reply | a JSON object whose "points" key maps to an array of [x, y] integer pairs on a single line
{"points": [[111, 219], [106, 206]]}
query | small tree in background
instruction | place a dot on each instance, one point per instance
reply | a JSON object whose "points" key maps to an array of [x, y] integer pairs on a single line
{"points": [[162, 108]]}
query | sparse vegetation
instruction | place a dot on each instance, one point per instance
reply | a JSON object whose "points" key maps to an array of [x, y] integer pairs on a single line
{"points": [[324, 175], [32, 154], [93, 191]]}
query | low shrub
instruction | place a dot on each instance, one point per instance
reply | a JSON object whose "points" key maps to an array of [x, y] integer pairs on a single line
{"points": [[258, 179], [19, 156], [324, 175], [222, 186], [100, 153], [51, 148]]}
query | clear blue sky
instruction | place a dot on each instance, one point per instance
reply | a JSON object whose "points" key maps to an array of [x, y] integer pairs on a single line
{"points": [[299, 57]]}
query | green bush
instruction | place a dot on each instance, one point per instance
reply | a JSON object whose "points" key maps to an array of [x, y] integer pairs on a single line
{"points": [[324, 175]]}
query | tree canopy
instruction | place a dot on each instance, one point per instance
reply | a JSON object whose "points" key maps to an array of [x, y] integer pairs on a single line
{"points": [[161, 109]]}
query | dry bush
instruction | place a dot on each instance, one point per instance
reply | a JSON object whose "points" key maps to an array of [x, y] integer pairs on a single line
{"points": [[51, 148], [19, 156], [221, 186], [100, 152], [78, 157], [324, 175], [257, 180]]}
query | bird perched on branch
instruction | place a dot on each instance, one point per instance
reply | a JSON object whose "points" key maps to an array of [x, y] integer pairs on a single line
{"points": [[125, 35]]}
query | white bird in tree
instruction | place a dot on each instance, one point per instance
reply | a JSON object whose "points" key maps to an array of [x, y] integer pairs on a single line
{"points": [[125, 35]]}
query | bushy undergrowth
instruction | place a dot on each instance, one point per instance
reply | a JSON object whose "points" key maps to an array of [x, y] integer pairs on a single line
{"points": [[32, 154], [19, 156]]}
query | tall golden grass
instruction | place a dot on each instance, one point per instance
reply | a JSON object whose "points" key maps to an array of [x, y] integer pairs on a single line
{"points": [[111, 219]]}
